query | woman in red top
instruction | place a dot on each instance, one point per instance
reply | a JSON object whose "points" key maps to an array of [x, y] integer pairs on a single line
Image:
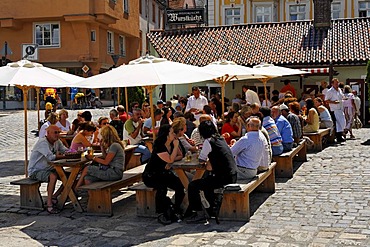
{"points": [[232, 126]]}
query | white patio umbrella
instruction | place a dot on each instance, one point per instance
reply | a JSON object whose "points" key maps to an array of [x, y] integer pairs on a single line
{"points": [[148, 72], [272, 71], [231, 71], [26, 75]]}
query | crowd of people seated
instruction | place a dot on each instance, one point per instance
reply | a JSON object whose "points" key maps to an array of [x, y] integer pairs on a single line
{"points": [[252, 132]]}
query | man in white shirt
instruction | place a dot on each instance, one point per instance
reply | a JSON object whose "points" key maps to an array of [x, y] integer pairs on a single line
{"points": [[251, 96], [334, 97], [196, 103]]}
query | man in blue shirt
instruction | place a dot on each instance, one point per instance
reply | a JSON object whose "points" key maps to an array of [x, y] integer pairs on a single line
{"points": [[251, 151], [284, 128]]}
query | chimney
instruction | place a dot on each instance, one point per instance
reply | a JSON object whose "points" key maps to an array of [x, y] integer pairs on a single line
{"points": [[322, 14]]}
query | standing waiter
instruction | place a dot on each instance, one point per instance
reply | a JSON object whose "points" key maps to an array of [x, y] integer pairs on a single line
{"points": [[334, 97]]}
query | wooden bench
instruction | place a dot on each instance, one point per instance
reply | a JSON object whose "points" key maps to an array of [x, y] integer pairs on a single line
{"points": [[100, 193], [145, 200], [316, 137], [284, 166], [30, 196], [235, 204]]}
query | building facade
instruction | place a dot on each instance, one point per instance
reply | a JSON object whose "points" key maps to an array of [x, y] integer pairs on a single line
{"points": [[230, 12], [151, 17], [70, 35]]}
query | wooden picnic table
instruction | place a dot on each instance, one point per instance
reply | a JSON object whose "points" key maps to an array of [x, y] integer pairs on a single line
{"points": [[181, 166], [74, 165]]}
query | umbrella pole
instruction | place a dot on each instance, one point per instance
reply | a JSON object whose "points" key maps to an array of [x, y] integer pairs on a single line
{"points": [[264, 81], [223, 99], [118, 95], [126, 99], [38, 107], [150, 91], [265, 88], [222, 81], [25, 96]]}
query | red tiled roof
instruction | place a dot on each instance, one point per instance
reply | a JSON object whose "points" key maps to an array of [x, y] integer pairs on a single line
{"points": [[284, 43]]}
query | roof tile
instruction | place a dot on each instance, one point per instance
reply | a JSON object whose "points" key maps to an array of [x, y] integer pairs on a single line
{"points": [[293, 43]]}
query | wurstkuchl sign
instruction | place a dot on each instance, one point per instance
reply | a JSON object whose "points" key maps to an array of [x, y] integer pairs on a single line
{"points": [[185, 16]]}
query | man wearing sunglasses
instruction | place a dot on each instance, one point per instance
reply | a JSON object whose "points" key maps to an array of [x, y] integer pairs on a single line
{"points": [[46, 149]]}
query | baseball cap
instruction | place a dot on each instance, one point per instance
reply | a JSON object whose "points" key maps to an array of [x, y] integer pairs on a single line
{"points": [[159, 102]]}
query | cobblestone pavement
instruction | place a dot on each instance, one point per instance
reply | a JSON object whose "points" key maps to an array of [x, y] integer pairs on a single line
{"points": [[325, 204]]}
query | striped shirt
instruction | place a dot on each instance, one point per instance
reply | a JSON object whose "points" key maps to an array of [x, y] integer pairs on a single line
{"points": [[195, 136], [296, 125], [274, 134]]}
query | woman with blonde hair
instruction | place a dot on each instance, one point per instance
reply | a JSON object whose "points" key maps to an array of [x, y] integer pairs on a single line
{"points": [[52, 119], [110, 166], [63, 123]]}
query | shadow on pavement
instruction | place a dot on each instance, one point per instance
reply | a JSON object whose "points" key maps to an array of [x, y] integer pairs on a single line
{"points": [[11, 168], [366, 143], [124, 228], [296, 166]]}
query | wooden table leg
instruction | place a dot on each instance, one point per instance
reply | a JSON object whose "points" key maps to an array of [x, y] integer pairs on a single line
{"points": [[182, 176], [67, 190], [198, 174]]}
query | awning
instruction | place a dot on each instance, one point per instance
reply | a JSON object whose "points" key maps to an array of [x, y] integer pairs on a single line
{"points": [[317, 70]]}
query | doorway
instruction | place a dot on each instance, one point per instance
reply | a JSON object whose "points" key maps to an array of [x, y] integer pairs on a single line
{"points": [[360, 86]]}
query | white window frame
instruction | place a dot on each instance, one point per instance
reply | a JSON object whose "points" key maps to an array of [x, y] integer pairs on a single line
{"points": [[233, 16], [299, 4], [256, 5], [52, 35], [110, 42], [340, 14], [122, 45], [367, 9], [125, 6]]}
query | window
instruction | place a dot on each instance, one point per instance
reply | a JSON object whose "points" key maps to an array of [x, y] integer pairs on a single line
{"points": [[125, 6], [153, 12], [335, 10], [364, 8], [122, 46], [110, 42], [297, 12], [232, 16], [140, 7], [93, 35], [47, 34], [141, 43], [263, 13]]}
